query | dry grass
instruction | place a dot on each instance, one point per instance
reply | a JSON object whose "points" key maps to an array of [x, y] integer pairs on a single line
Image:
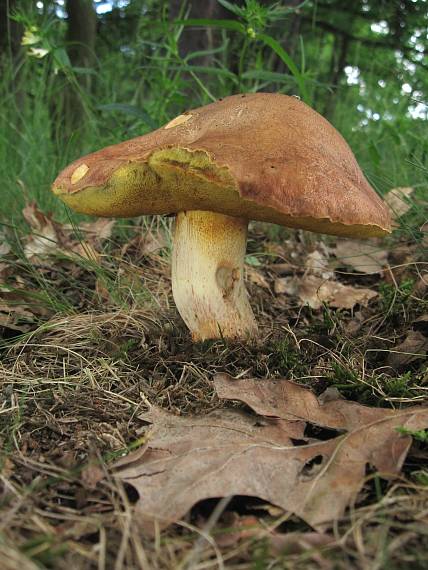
{"points": [[73, 387]]}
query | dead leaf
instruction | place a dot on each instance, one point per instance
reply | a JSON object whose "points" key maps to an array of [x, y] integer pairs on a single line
{"points": [[34, 217], [421, 324], [314, 291], [84, 250], [98, 231], [398, 201], [282, 285], [23, 304], [414, 347], [282, 268], [4, 246], [16, 310], [40, 245], [8, 467], [229, 452], [353, 326], [145, 244], [364, 257], [292, 402], [299, 542], [232, 528], [49, 237], [44, 238], [256, 277], [151, 242], [16, 317], [419, 289], [5, 271], [91, 475], [316, 263]]}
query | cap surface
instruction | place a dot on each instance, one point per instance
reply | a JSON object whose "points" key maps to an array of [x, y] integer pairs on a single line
{"points": [[262, 156]]}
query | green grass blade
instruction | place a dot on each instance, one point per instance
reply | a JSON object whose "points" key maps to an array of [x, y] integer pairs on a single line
{"points": [[283, 55], [130, 110], [212, 23]]}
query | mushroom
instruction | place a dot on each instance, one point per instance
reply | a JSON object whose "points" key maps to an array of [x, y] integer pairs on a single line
{"points": [[259, 156]]}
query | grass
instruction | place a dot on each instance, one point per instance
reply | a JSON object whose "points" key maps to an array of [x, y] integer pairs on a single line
{"points": [[74, 385], [91, 340]]}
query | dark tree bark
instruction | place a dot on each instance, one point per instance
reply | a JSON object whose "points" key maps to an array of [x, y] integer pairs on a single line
{"points": [[10, 31], [81, 35], [207, 38], [81, 32], [339, 59], [292, 33], [195, 39], [288, 31]]}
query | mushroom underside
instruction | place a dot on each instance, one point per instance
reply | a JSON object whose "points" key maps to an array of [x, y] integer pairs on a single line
{"points": [[172, 180]]}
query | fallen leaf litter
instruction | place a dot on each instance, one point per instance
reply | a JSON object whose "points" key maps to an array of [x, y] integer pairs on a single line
{"points": [[232, 452]]}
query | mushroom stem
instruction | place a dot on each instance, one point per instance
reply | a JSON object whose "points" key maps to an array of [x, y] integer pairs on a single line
{"points": [[207, 275]]}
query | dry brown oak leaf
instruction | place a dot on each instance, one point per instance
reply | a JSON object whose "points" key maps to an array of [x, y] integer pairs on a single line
{"points": [[232, 452]]}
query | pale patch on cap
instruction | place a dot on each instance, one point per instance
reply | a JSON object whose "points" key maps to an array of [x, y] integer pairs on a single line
{"points": [[178, 121], [79, 173]]}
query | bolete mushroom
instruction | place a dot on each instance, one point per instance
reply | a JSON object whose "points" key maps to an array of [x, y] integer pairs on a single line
{"points": [[258, 156]]}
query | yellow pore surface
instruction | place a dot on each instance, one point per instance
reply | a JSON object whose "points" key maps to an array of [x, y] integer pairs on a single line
{"points": [[175, 179]]}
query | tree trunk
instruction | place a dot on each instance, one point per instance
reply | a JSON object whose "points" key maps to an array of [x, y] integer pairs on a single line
{"points": [[339, 64], [288, 32], [81, 35], [10, 31], [198, 39]]}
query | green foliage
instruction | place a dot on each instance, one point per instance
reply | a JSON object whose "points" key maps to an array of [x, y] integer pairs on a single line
{"points": [[399, 387], [145, 73], [419, 435], [255, 19], [45, 550], [342, 374], [125, 347], [260, 556], [421, 477], [287, 359], [394, 297]]}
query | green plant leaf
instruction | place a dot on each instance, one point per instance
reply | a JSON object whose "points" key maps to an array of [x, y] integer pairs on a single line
{"points": [[130, 110], [205, 69], [224, 24], [61, 57], [271, 76], [252, 260], [283, 55], [84, 71], [232, 7], [204, 52]]}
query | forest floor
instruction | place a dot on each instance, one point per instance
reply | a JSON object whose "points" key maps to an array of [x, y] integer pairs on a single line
{"points": [[91, 336]]}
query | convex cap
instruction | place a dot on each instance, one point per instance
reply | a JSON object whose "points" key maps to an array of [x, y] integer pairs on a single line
{"points": [[260, 156]]}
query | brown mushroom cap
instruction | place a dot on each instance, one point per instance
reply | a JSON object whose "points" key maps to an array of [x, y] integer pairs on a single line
{"points": [[260, 156]]}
